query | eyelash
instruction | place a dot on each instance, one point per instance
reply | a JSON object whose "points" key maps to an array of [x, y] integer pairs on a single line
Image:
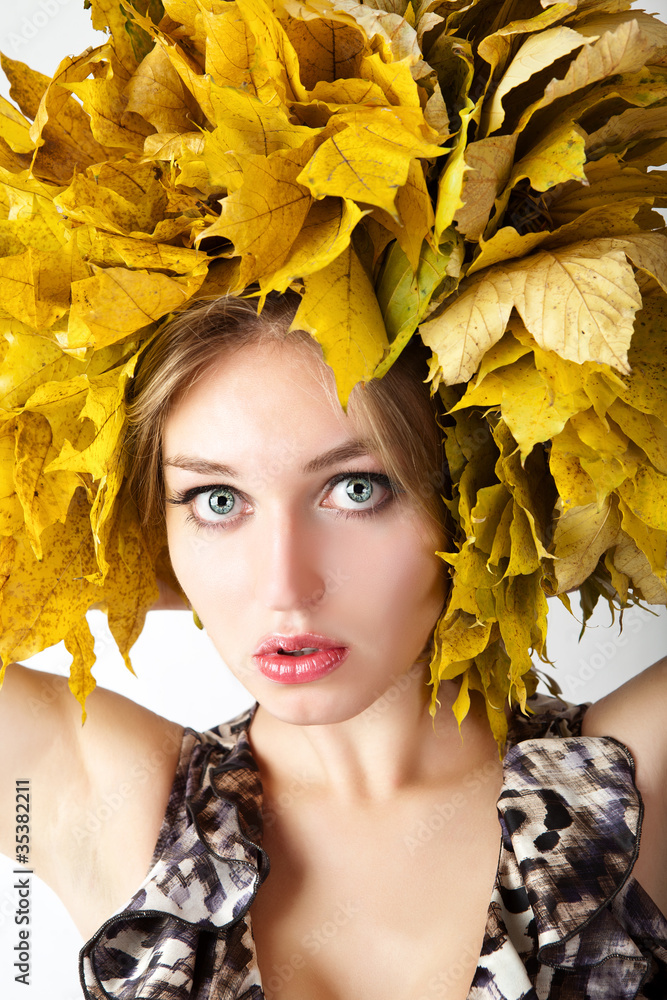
{"points": [[185, 497]]}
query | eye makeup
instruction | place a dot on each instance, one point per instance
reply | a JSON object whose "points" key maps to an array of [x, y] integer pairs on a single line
{"points": [[220, 520]]}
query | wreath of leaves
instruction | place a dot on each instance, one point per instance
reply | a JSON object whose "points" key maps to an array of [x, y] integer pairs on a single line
{"points": [[480, 175]]}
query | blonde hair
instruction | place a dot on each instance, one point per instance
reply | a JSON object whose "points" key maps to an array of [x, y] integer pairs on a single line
{"points": [[396, 413]]}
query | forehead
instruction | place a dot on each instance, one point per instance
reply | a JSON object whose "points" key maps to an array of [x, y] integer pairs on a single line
{"points": [[263, 400]]}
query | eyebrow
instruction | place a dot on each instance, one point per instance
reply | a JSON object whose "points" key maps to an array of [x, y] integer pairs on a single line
{"points": [[342, 453]]}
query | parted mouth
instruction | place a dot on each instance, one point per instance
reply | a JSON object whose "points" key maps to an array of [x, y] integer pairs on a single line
{"points": [[298, 652], [296, 645]]}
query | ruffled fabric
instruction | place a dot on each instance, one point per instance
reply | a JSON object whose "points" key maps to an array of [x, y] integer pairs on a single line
{"points": [[566, 921], [569, 920], [188, 920]]}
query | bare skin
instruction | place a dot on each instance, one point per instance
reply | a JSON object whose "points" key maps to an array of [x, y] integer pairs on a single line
{"points": [[635, 714], [377, 887], [346, 854], [98, 792], [336, 848], [418, 909]]}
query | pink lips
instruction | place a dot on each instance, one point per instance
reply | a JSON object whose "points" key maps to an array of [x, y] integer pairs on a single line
{"points": [[276, 657]]}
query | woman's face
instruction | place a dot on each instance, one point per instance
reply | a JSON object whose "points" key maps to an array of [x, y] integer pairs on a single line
{"points": [[286, 536]]}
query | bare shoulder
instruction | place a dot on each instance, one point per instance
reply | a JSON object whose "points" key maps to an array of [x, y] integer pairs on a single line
{"points": [[98, 791], [636, 714]]}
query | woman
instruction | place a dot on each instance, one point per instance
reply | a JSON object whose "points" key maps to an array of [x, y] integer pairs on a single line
{"points": [[316, 578]]}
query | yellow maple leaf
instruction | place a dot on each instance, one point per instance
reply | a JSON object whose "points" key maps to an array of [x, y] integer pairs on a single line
{"points": [[108, 15], [644, 495], [264, 216], [45, 498], [651, 541], [646, 387], [245, 125], [576, 302], [27, 86], [130, 587], [101, 401], [625, 48], [324, 236], [80, 643], [530, 409], [583, 534], [415, 214], [105, 101], [496, 46], [122, 197], [30, 360], [558, 158], [230, 47], [116, 302], [367, 159], [607, 181], [340, 310], [327, 50], [629, 559], [488, 163], [157, 93], [537, 53], [15, 128], [61, 130], [626, 129], [34, 287], [275, 62], [107, 250], [43, 600], [457, 642], [11, 511], [521, 610], [396, 37], [645, 429]]}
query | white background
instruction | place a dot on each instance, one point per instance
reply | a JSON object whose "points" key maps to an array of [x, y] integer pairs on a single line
{"points": [[172, 651]]}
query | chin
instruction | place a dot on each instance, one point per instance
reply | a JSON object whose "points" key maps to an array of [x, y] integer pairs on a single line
{"points": [[309, 708]]}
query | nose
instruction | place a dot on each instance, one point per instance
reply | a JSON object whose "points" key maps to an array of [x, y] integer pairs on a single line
{"points": [[289, 576]]}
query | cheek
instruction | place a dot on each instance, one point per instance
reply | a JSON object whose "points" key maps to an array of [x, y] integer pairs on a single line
{"points": [[417, 583], [180, 547], [195, 557], [217, 574], [398, 579]]}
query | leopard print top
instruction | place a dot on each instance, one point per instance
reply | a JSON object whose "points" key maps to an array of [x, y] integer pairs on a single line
{"points": [[566, 921]]}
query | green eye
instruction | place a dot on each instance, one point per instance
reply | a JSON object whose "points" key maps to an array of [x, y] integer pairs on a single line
{"points": [[221, 501], [359, 489]]}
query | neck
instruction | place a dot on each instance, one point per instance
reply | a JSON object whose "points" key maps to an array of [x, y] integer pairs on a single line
{"points": [[392, 747]]}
